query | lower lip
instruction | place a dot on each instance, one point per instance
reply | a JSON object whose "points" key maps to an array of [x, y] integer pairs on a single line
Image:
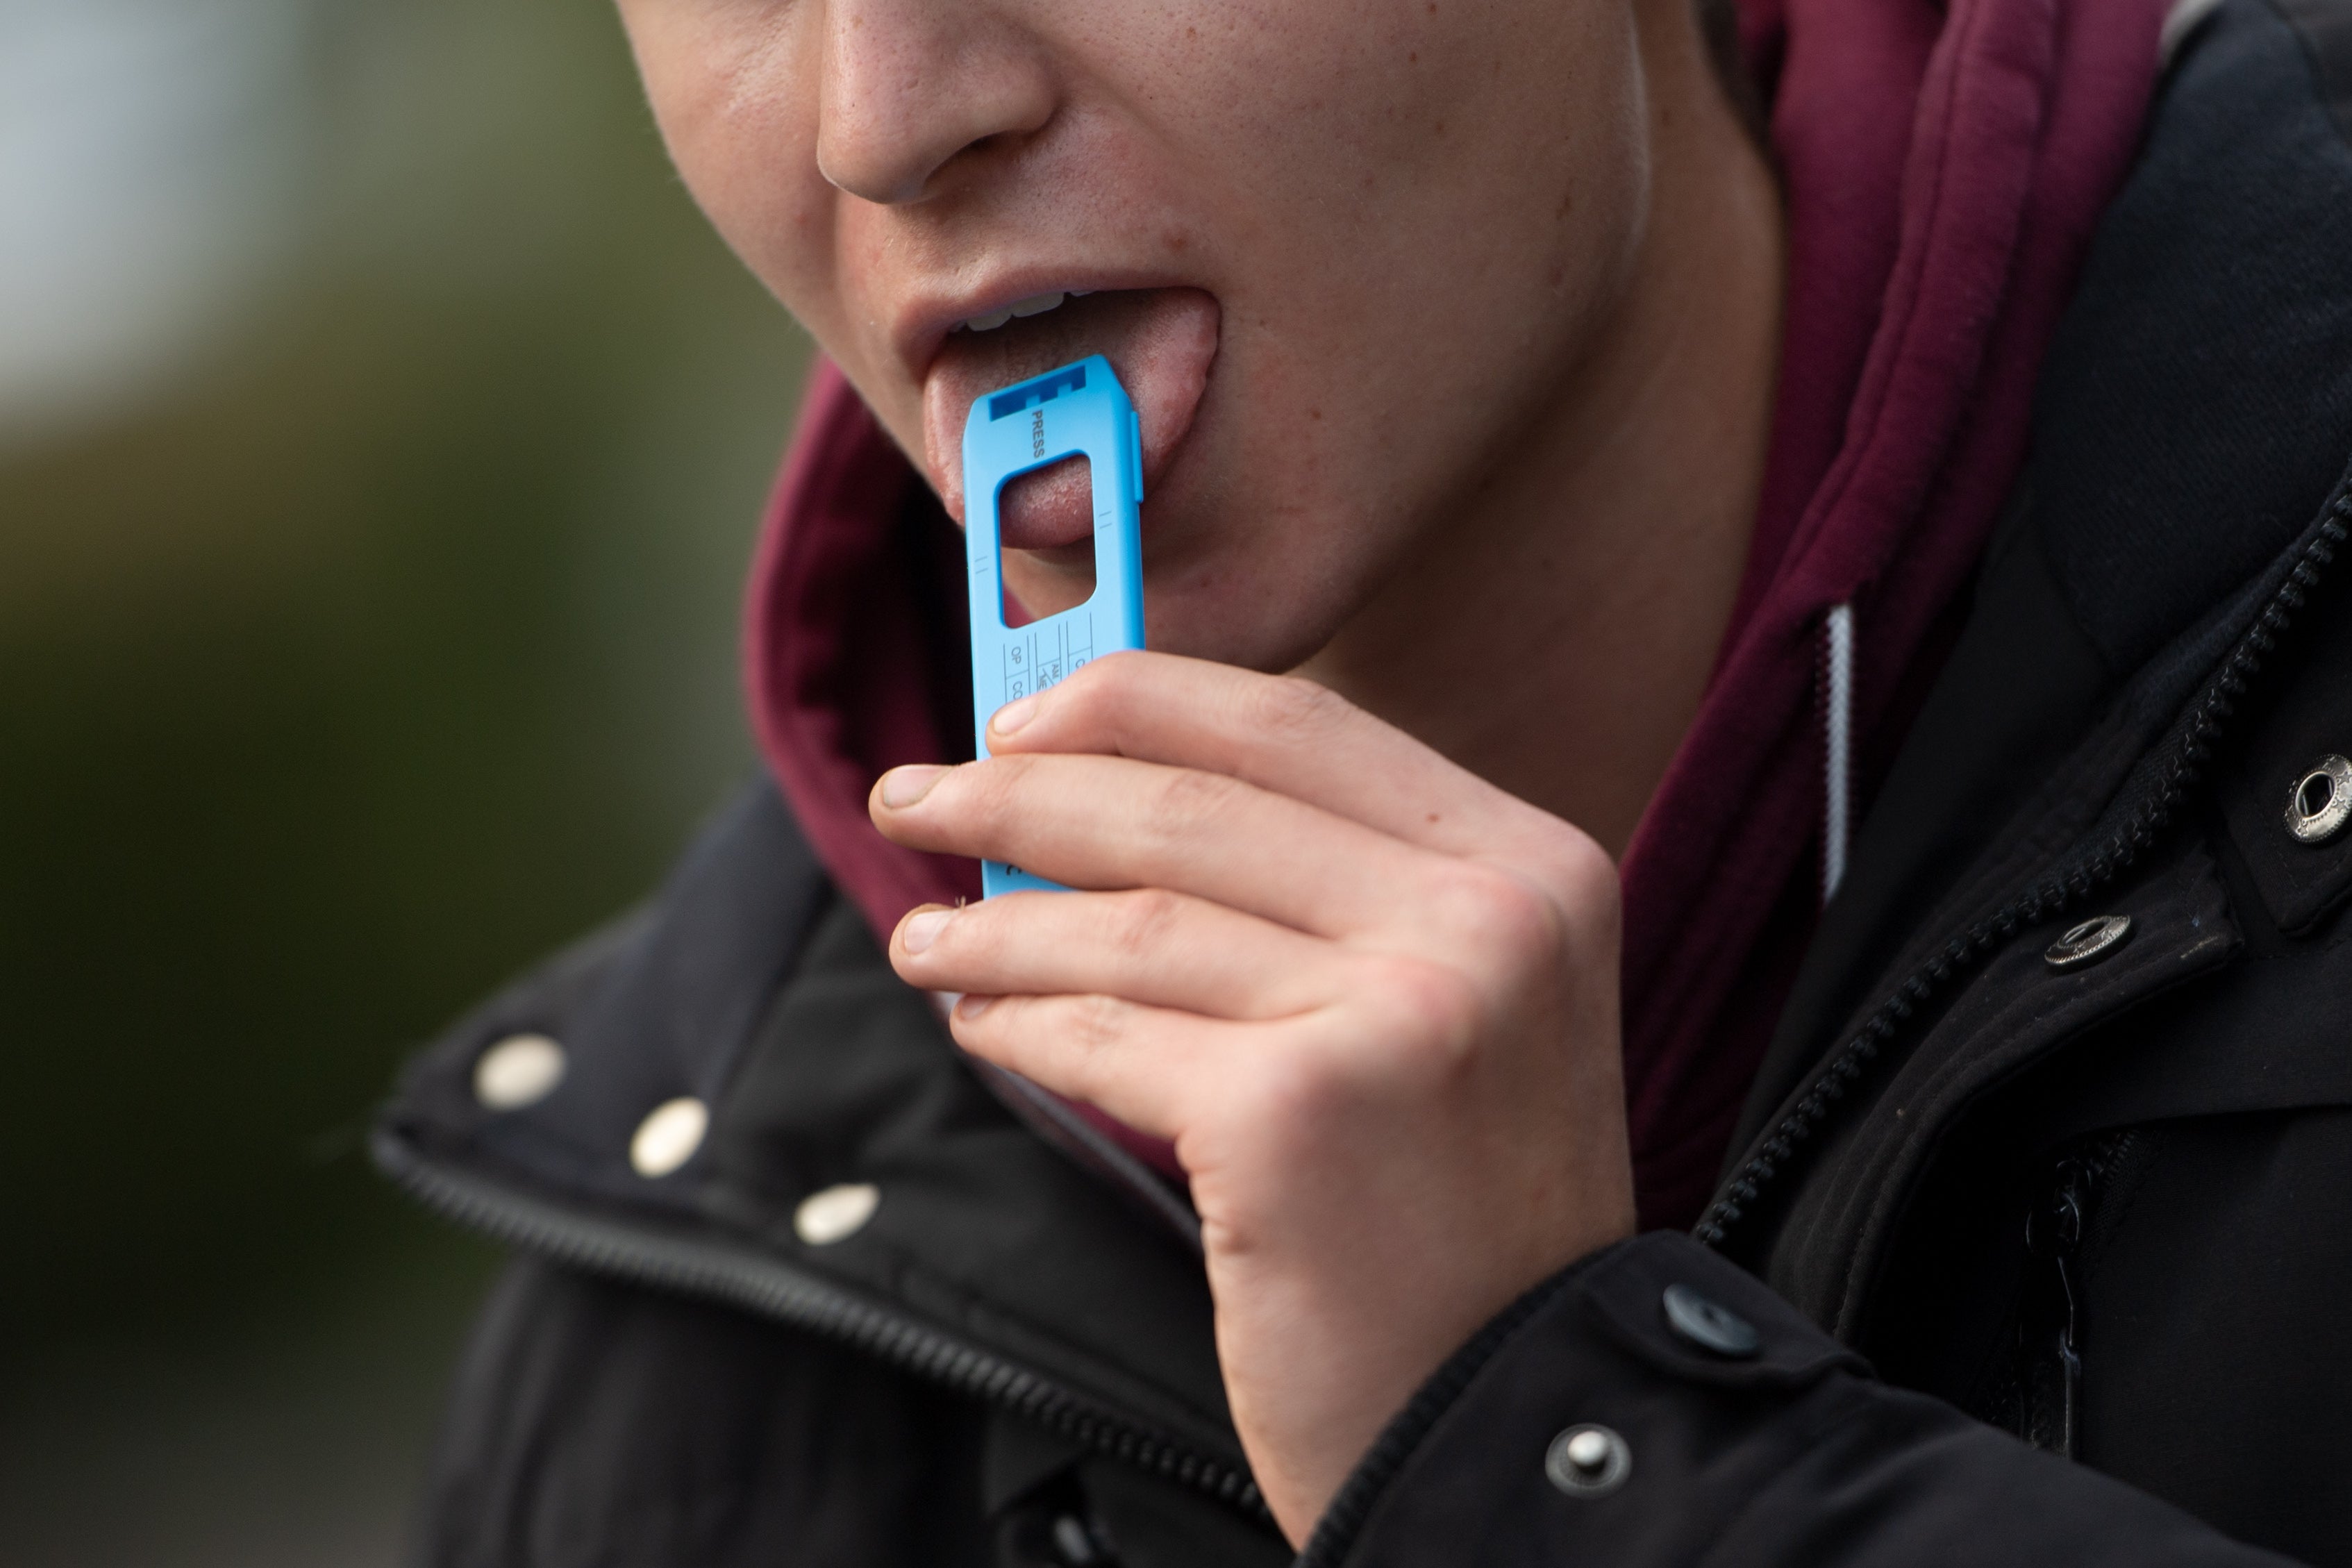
{"points": [[1162, 341]]}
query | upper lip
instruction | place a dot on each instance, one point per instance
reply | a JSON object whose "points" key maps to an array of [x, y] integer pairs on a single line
{"points": [[922, 323]]}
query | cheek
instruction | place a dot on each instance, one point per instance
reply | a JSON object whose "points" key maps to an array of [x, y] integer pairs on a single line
{"points": [[1404, 130], [1461, 215], [1446, 213], [733, 90]]}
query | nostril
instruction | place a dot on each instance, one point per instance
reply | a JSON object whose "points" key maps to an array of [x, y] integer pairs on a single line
{"points": [[908, 91]]}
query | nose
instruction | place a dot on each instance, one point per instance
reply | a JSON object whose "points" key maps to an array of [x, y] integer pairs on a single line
{"points": [[909, 85]]}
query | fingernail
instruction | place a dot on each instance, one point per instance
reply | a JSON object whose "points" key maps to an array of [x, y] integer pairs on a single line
{"points": [[1013, 714], [905, 786], [925, 928], [973, 1007]]}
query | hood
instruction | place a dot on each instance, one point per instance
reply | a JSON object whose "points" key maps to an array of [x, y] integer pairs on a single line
{"points": [[1943, 167]]}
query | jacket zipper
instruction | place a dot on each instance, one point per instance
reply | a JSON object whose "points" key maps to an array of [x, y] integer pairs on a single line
{"points": [[2050, 1357], [778, 1291], [2078, 1191], [786, 1295], [2191, 743]]}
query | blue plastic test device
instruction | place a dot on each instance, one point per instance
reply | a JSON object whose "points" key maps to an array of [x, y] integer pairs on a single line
{"points": [[1080, 408]]}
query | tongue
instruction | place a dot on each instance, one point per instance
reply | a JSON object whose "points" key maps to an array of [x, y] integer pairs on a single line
{"points": [[1161, 341]]}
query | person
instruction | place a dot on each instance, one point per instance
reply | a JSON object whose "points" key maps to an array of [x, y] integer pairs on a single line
{"points": [[1712, 931]]}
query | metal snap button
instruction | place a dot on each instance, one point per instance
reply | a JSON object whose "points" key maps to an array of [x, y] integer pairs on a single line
{"points": [[835, 1214], [2087, 943], [1708, 1326], [1587, 1461], [2320, 803], [520, 1070], [1075, 1542], [669, 1138]]}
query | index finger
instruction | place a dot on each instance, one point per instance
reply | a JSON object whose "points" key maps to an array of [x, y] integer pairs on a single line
{"points": [[1283, 733]]}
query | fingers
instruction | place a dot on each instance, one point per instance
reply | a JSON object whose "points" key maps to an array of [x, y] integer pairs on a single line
{"points": [[1141, 1064], [1109, 823], [1152, 946], [1283, 733]]}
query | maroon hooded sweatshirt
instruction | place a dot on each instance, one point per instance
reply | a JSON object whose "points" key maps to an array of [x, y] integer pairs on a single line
{"points": [[1942, 168]]}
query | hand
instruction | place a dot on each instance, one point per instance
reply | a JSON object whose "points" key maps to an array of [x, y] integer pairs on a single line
{"points": [[1371, 999]]}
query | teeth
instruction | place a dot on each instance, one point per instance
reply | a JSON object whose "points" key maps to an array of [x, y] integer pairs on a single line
{"points": [[1035, 305]]}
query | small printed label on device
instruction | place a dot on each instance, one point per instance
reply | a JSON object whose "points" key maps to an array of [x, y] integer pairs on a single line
{"points": [[1047, 654]]}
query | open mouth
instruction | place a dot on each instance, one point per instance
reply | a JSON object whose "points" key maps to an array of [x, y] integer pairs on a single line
{"points": [[1161, 341]]}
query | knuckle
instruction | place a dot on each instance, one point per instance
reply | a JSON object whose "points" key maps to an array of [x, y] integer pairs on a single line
{"points": [[1436, 1006], [1502, 917], [1294, 705], [981, 784], [1585, 885], [1577, 858], [1118, 669], [987, 793], [1146, 920], [1102, 689], [1095, 1023], [973, 939], [1189, 802]]}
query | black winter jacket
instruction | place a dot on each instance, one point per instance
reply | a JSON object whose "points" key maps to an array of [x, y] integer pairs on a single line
{"points": [[2036, 1244]]}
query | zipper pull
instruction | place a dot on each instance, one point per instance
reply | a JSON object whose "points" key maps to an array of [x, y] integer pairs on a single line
{"points": [[2049, 1326]]}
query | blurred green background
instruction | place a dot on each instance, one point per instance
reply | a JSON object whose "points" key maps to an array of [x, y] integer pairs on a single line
{"points": [[382, 437]]}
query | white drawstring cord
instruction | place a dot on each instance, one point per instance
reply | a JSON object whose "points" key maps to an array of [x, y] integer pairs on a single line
{"points": [[1837, 733]]}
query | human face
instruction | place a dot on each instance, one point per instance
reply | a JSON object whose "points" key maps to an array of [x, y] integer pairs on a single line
{"points": [[1344, 253]]}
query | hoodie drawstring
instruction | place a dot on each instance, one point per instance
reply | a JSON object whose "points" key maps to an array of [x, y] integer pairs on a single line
{"points": [[1837, 751]]}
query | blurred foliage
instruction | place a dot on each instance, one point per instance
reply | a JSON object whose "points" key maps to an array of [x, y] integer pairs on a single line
{"points": [[386, 645]]}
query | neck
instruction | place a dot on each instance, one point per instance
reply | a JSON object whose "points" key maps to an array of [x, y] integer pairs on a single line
{"points": [[1556, 635]]}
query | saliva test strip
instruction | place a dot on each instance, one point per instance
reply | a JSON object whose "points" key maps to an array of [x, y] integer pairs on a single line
{"points": [[1079, 409]]}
